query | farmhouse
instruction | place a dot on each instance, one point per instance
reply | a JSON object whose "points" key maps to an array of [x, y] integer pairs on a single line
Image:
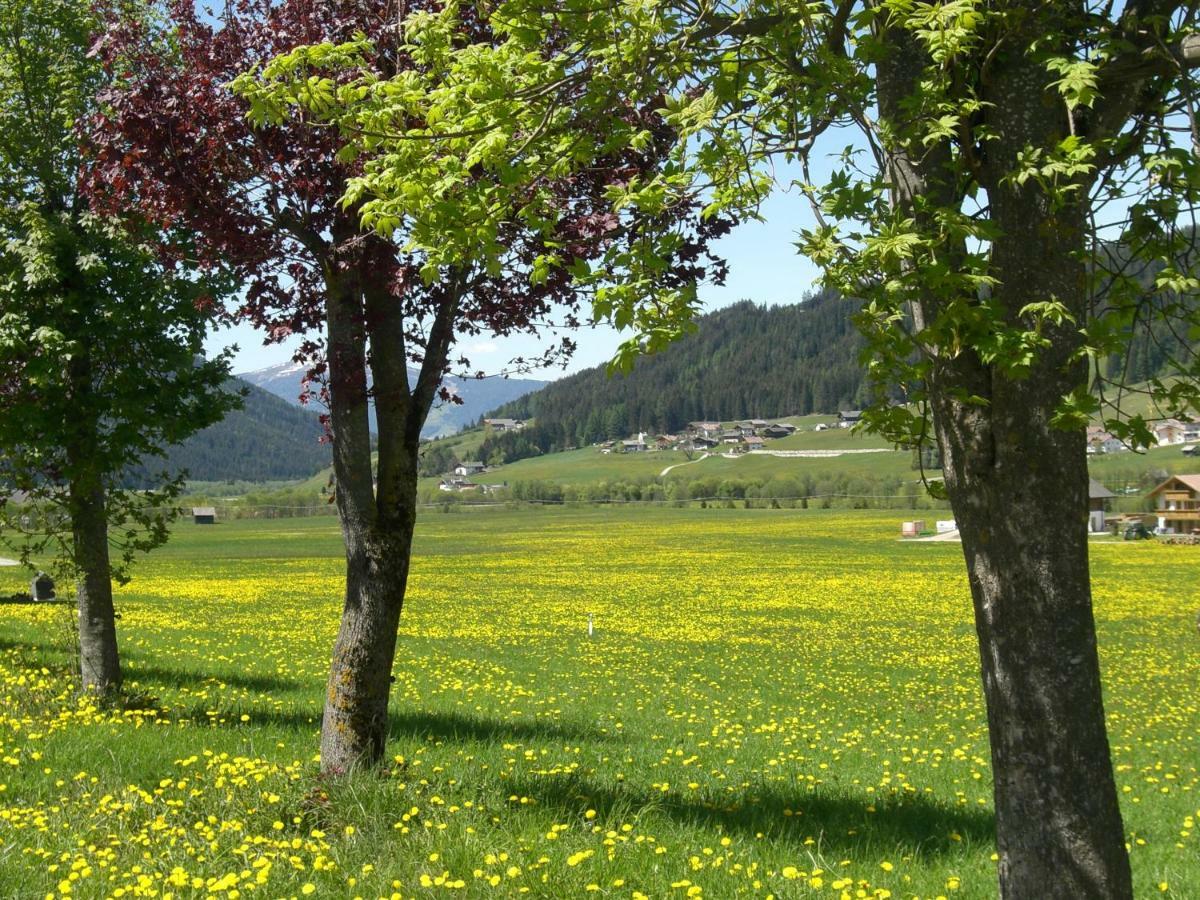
{"points": [[848, 417], [1098, 497], [474, 467], [504, 424], [636, 445], [1100, 441], [457, 484], [1178, 504], [777, 430], [753, 442], [1173, 431], [204, 515]]}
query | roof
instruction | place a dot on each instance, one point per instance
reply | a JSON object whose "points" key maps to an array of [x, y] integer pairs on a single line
{"points": [[850, 414], [471, 464], [204, 510], [1191, 481], [501, 421], [1097, 491]]}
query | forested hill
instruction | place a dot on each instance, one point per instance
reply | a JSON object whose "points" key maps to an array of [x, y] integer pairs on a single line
{"points": [[268, 439], [743, 361]]}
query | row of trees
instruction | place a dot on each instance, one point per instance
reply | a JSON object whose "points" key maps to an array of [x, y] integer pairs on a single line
{"points": [[477, 167], [996, 142]]}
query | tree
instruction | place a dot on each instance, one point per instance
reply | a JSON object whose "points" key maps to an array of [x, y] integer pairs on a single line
{"points": [[998, 144], [264, 194], [99, 342]]}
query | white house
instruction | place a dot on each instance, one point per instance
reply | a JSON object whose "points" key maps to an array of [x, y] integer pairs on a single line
{"points": [[1170, 431]]}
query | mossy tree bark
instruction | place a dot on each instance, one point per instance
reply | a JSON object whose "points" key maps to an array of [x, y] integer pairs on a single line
{"points": [[376, 503]]}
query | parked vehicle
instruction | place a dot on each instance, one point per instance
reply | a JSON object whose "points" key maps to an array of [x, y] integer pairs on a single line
{"points": [[1137, 531]]}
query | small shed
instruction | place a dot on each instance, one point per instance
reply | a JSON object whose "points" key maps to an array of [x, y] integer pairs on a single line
{"points": [[204, 515], [1098, 497]]}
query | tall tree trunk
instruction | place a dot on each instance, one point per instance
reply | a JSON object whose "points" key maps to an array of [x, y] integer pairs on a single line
{"points": [[1023, 525], [1019, 489], [99, 664], [355, 724], [1018, 484], [378, 516]]}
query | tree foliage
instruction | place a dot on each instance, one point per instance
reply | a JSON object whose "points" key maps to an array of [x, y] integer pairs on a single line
{"points": [[997, 144], [100, 340]]}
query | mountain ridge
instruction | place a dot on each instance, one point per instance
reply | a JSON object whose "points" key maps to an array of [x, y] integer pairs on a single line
{"points": [[478, 394], [745, 360]]}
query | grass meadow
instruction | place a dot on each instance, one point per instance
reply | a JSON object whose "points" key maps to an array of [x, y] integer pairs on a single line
{"points": [[774, 703]]}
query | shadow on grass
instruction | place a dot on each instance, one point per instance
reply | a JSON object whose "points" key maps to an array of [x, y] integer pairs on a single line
{"points": [[423, 726], [840, 824], [149, 675]]}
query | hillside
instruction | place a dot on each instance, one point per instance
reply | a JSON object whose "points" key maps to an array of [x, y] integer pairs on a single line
{"points": [[478, 395], [267, 440], [742, 361]]}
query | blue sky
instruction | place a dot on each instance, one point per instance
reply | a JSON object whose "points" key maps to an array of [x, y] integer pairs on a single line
{"points": [[763, 266]]}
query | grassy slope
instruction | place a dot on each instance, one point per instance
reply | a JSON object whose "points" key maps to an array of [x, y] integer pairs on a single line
{"points": [[759, 703], [588, 464]]}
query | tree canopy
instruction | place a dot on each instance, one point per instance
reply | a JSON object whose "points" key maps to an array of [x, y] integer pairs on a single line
{"points": [[100, 341], [997, 145]]}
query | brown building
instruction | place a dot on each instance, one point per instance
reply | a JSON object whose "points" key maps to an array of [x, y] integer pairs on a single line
{"points": [[1178, 504]]}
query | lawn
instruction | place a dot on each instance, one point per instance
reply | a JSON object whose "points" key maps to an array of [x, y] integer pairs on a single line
{"points": [[774, 703]]}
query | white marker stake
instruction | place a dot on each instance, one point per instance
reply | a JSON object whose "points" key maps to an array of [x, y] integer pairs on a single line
{"points": [[589, 624]]}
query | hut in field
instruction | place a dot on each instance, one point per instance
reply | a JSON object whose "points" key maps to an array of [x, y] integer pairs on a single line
{"points": [[204, 515]]}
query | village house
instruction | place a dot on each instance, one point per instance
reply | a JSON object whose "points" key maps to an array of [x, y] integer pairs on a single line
{"points": [[500, 425], [708, 429], [777, 430], [731, 436], [666, 442], [457, 484], [849, 417], [1178, 504], [636, 445], [1100, 441], [752, 442], [473, 467], [1173, 431], [1098, 497]]}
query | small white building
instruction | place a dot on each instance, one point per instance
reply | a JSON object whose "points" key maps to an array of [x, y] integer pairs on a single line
{"points": [[473, 467]]}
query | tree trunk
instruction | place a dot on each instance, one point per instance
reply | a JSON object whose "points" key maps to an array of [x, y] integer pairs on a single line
{"points": [[99, 664], [1019, 489], [1058, 825], [355, 724], [378, 514]]}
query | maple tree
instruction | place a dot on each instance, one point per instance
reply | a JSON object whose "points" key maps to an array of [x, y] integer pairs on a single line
{"points": [[100, 340], [265, 198]]}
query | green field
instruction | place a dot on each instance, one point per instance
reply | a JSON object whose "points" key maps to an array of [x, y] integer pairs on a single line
{"points": [[774, 703]]}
